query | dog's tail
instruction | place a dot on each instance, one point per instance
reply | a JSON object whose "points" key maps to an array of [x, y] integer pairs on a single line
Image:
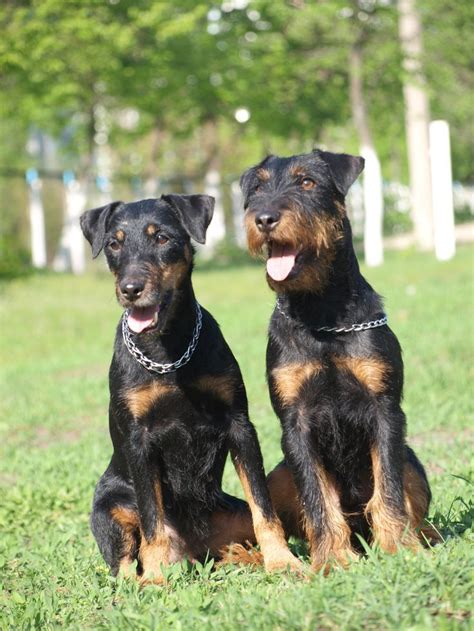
{"points": [[429, 535], [236, 553]]}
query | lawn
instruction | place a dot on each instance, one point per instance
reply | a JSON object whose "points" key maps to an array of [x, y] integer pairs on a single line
{"points": [[56, 342]]}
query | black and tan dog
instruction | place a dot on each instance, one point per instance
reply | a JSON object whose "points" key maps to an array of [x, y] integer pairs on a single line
{"points": [[336, 387], [177, 403]]}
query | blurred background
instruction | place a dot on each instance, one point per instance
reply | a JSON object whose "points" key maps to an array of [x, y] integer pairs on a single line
{"points": [[124, 99]]}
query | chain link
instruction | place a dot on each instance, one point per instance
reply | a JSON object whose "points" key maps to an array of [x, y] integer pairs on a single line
{"points": [[153, 366], [363, 326]]}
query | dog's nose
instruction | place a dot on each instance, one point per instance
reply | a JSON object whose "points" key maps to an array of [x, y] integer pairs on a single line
{"points": [[132, 289], [267, 220]]}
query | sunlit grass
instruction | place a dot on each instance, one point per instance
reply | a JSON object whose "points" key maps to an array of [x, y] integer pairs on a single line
{"points": [[56, 343]]}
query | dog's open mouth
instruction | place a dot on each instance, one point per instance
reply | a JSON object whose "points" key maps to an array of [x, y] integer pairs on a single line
{"points": [[143, 318], [281, 260]]}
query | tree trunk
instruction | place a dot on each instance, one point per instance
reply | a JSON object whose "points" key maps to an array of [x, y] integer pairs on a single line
{"points": [[372, 184], [417, 121], [213, 186], [151, 171]]}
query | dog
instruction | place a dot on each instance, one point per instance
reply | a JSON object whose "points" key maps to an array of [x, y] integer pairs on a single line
{"points": [[334, 367], [177, 404]]}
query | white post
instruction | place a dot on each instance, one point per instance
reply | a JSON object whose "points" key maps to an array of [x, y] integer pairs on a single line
{"points": [[75, 204], [103, 190], [373, 205], [70, 255], [151, 187], [442, 187], [216, 230], [355, 207], [38, 236], [238, 214]]}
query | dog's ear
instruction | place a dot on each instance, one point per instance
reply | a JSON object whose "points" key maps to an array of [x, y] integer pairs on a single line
{"points": [[344, 168], [94, 225], [194, 211]]}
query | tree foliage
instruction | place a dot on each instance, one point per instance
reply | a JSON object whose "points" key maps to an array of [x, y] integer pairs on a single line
{"points": [[185, 67]]}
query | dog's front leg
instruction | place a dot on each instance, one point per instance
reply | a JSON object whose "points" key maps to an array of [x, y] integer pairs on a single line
{"points": [[386, 510], [154, 543], [326, 529], [248, 462]]}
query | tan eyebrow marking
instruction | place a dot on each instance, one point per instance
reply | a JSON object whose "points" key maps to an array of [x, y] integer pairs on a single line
{"points": [[263, 174], [297, 171], [151, 229]]}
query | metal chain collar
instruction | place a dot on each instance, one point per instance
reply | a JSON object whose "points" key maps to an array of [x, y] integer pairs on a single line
{"points": [[363, 326], [148, 363]]}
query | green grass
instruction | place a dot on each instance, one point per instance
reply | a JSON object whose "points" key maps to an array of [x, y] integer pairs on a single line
{"points": [[56, 342]]}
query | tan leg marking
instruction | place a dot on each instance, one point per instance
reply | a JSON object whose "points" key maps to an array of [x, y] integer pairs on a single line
{"points": [[269, 534], [289, 379], [335, 545], [370, 372], [416, 495], [416, 504], [389, 530], [156, 552], [129, 523], [140, 400], [230, 527], [284, 494], [221, 386], [232, 538]]}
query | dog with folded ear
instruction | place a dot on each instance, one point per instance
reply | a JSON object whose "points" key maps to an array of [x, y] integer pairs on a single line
{"points": [[177, 404]]}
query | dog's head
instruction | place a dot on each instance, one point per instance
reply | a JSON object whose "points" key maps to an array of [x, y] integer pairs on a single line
{"points": [[295, 215], [148, 249]]}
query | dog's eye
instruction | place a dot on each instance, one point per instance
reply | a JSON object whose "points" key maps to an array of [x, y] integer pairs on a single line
{"points": [[115, 245], [161, 239], [307, 183]]}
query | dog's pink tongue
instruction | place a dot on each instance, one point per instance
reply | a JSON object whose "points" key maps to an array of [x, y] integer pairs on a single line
{"points": [[281, 262], [140, 318]]}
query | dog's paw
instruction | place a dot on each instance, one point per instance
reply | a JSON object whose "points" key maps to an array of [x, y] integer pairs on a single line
{"points": [[335, 560], [282, 561], [152, 578], [127, 569], [391, 541]]}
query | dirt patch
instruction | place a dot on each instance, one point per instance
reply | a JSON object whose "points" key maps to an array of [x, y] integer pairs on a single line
{"points": [[96, 370], [8, 479], [44, 437], [445, 438], [441, 436]]}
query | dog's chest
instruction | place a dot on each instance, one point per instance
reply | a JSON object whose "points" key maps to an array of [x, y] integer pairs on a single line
{"points": [[329, 378], [184, 427], [204, 397]]}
